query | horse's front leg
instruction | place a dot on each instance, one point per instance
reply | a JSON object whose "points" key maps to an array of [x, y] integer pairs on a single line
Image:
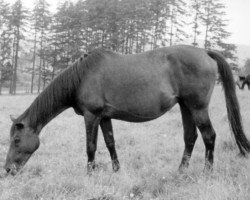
{"points": [[91, 124], [108, 135]]}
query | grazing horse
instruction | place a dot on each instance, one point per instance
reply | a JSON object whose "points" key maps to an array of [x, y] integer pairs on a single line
{"points": [[239, 81], [137, 88], [246, 81]]}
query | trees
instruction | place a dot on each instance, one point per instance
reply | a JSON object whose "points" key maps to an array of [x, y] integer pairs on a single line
{"points": [[159, 14], [5, 58], [5, 44], [35, 24], [247, 66], [215, 29], [125, 26], [196, 6], [17, 23], [66, 41], [212, 13], [41, 21], [178, 16]]}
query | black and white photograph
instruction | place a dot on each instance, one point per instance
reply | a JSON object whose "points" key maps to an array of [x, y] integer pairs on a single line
{"points": [[124, 99]]}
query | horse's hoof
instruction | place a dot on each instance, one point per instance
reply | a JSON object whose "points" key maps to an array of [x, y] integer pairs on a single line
{"points": [[90, 167], [115, 165], [183, 168], [208, 169]]}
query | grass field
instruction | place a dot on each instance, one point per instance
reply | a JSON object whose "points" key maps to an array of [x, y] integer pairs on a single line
{"points": [[149, 154]]}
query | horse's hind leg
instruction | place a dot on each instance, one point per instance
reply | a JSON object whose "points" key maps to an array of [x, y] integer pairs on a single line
{"points": [[91, 123], [203, 122], [108, 135], [243, 85], [190, 136]]}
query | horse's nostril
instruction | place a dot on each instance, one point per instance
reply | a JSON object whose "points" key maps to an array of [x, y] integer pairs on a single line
{"points": [[7, 170]]}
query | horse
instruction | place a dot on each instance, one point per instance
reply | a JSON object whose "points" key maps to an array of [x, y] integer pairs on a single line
{"points": [[104, 85], [244, 81], [239, 81]]}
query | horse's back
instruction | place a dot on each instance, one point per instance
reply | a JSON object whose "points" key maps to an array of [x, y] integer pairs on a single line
{"points": [[175, 72]]}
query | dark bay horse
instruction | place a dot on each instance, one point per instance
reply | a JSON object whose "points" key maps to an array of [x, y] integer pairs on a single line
{"points": [[244, 81], [104, 85]]}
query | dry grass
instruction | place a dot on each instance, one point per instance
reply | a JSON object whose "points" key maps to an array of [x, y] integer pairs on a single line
{"points": [[149, 154]]}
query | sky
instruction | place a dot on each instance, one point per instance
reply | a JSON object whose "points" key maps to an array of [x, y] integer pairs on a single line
{"points": [[237, 12]]}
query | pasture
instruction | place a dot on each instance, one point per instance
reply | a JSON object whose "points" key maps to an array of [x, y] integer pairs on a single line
{"points": [[149, 154]]}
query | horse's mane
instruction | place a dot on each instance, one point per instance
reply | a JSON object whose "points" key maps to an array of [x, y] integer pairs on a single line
{"points": [[60, 92]]}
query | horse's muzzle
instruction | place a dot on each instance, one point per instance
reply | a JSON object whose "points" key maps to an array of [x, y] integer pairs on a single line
{"points": [[11, 169]]}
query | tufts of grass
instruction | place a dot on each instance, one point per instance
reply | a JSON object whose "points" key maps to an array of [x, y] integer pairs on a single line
{"points": [[149, 155]]}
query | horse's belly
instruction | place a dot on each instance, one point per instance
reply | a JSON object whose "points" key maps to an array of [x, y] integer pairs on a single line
{"points": [[140, 111], [114, 113]]}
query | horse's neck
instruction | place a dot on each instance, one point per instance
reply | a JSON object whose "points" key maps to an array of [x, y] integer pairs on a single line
{"points": [[40, 113], [57, 97]]}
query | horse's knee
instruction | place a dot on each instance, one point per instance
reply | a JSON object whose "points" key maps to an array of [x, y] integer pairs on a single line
{"points": [[207, 132], [203, 122]]}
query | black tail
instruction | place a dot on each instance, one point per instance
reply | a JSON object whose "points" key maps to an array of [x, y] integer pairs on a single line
{"points": [[232, 103]]}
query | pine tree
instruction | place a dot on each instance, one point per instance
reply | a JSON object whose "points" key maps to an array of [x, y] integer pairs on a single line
{"points": [[212, 20], [178, 14], [67, 35], [17, 23], [196, 8], [160, 12], [35, 26], [41, 16], [5, 42], [143, 27], [216, 33]]}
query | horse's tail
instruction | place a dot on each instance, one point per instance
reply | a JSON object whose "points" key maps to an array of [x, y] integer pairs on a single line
{"points": [[232, 103]]}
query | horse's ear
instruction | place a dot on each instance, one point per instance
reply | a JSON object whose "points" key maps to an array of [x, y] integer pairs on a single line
{"points": [[13, 118]]}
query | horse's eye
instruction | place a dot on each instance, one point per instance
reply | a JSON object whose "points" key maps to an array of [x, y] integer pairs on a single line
{"points": [[16, 141]]}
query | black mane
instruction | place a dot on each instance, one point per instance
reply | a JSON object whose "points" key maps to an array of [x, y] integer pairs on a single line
{"points": [[58, 95]]}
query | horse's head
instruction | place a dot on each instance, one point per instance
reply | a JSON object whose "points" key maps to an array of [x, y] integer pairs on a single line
{"points": [[239, 81], [24, 141]]}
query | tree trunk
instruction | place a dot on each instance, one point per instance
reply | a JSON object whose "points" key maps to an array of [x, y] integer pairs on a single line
{"points": [[1, 80], [126, 43], [16, 59], [207, 25], [12, 66], [195, 29], [171, 28], [44, 75], [33, 67], [40, 64], [156, 30], [39, 75], [53, 66]]}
